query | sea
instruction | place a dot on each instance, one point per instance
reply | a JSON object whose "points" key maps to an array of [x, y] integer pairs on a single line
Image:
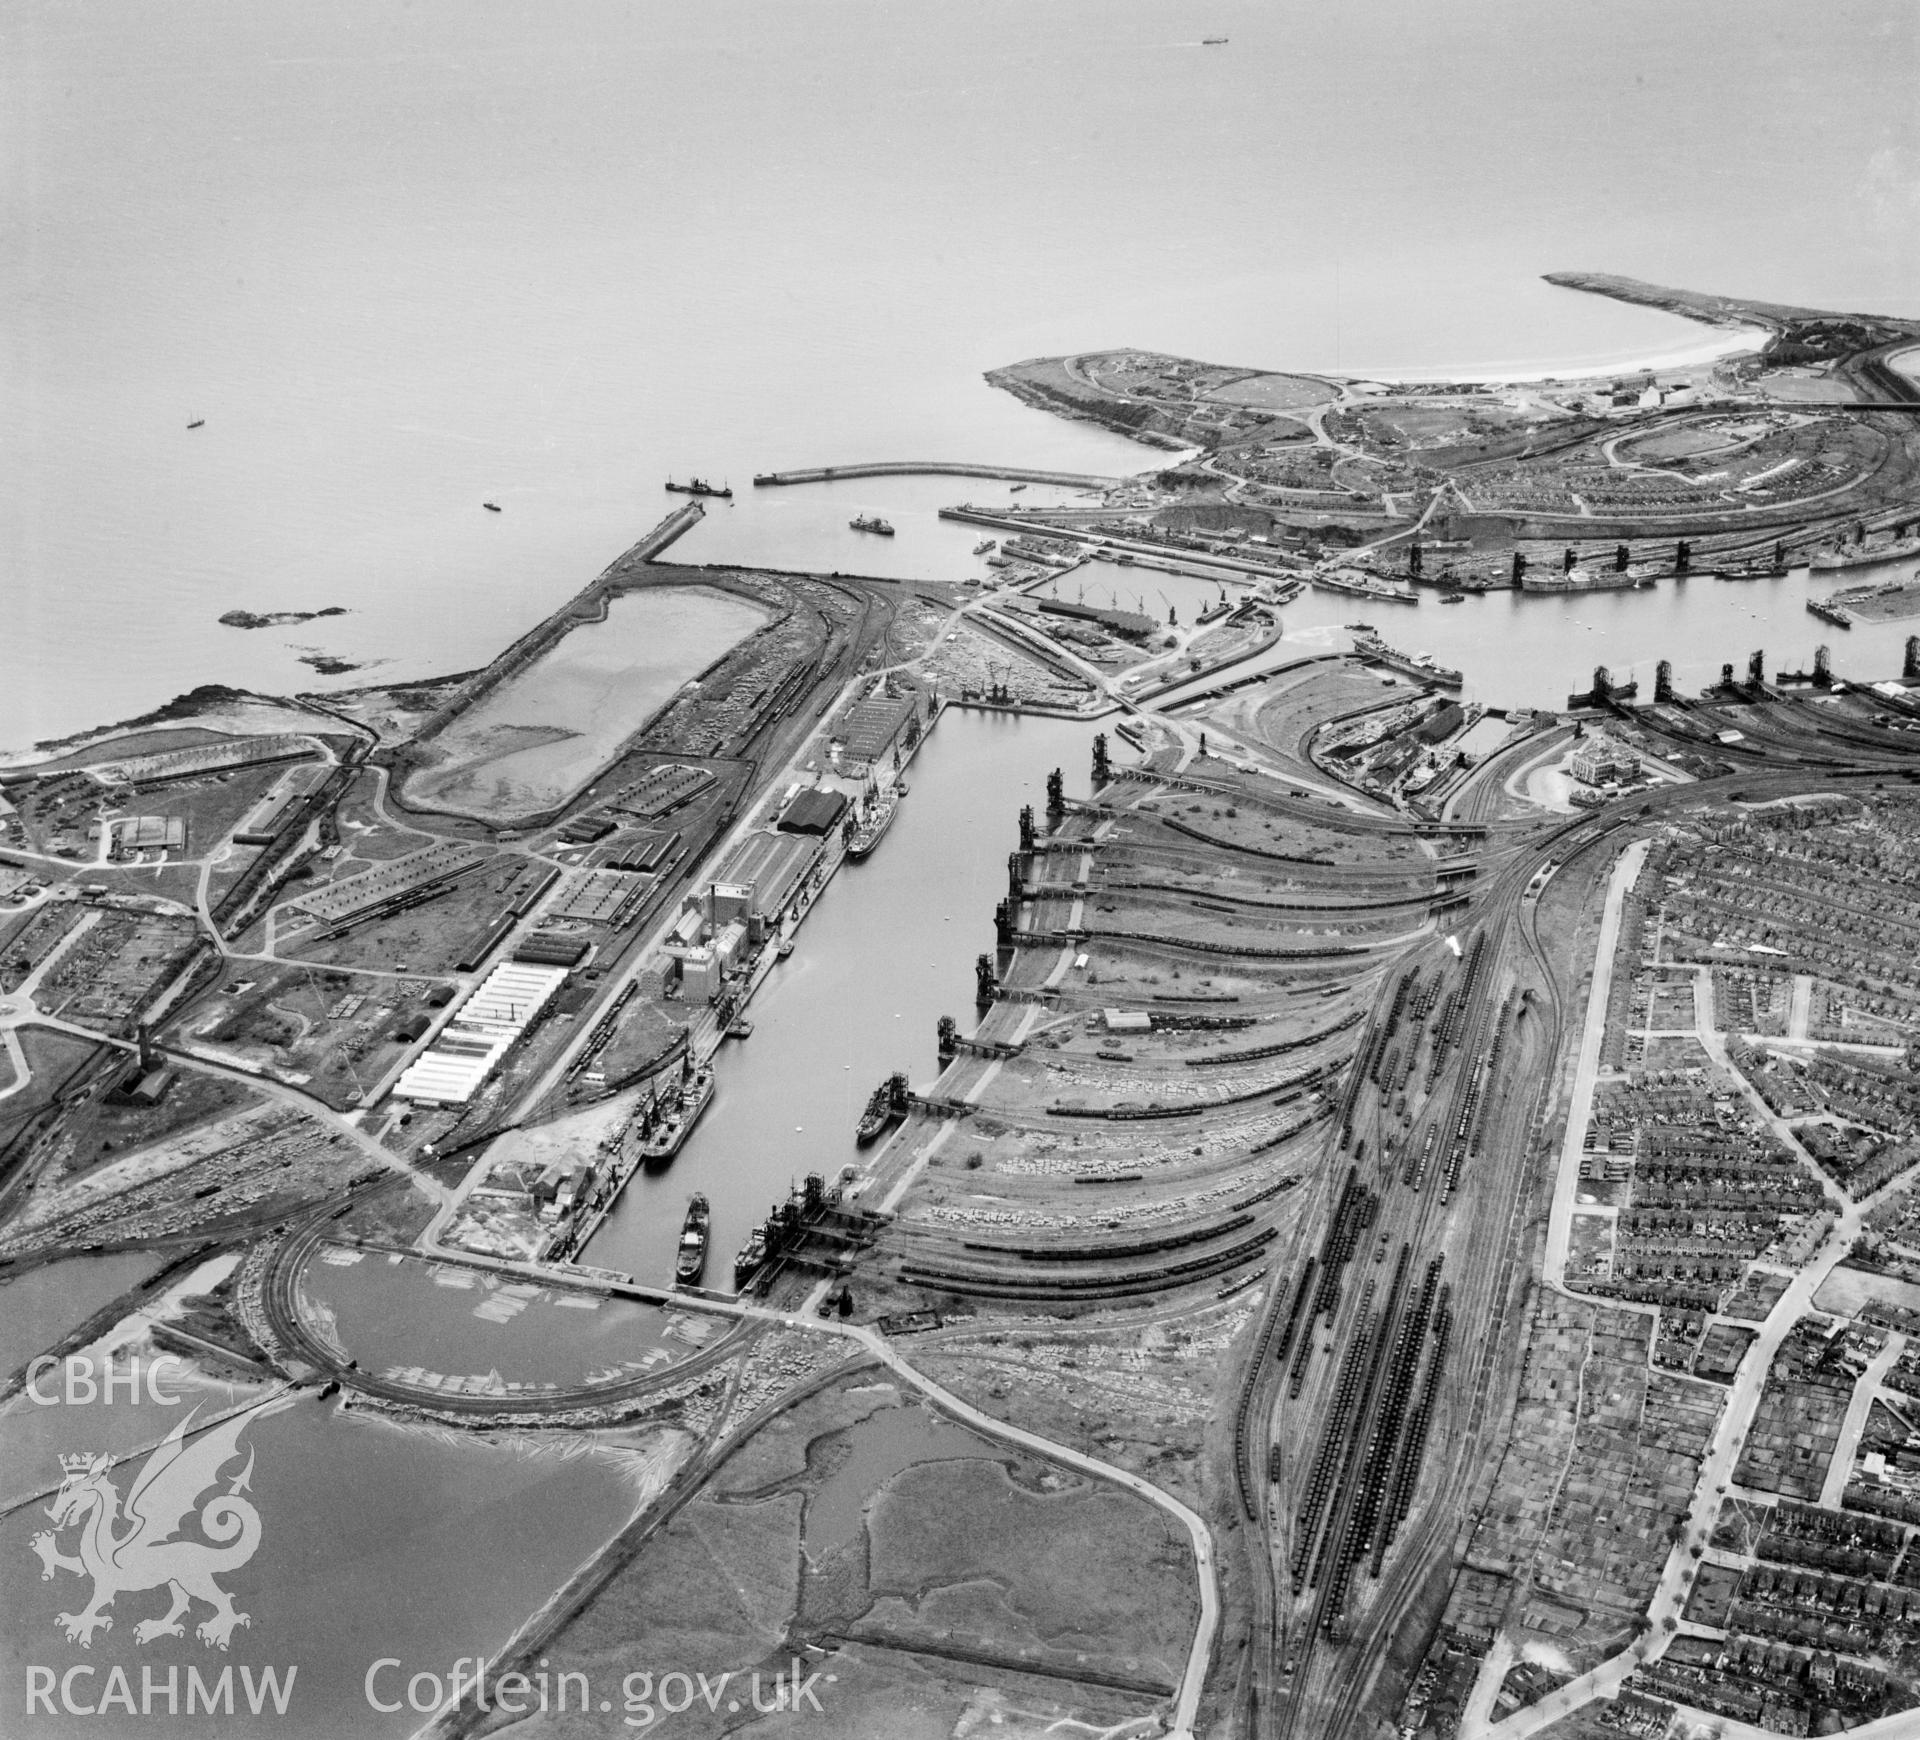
{"points": [[402, 260]]}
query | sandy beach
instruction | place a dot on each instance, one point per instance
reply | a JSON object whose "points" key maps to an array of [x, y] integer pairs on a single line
{"points": [[1710, 345]]}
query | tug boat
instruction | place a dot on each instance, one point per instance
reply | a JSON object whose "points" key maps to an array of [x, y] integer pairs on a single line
{"points": [[492, 507], [871, 523], [692, 1260], [198, 423], [985, 547]]}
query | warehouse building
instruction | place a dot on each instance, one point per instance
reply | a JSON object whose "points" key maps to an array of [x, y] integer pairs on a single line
{"points": [[760, 879], [815, 810], [488, 1026], [870, 729]]}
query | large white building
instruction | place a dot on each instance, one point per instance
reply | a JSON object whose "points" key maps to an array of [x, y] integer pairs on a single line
{"points": [[485, 1028]]}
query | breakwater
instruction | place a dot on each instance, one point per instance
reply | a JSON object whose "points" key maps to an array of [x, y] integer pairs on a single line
{"points": [[933, 468]]}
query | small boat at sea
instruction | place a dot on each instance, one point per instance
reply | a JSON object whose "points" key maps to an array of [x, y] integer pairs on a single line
{"points": [[198, 423], [700, 486], [1015, 488], [985, 547], [1453, 598], [691, 1262], [492, 507], [871, 523], [1213, 42]]}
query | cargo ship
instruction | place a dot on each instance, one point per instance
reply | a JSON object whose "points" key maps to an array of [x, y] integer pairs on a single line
{"points": [[1832, 613], [1364, 586], [691, 1262], [1416, 665], [886, 1106], [985, 547], [198, 423], [492, 507], [752, 1255], [1865, 555], [667, 1127], [876, 818], [1583, 580], [871, 523], [700, 486]]}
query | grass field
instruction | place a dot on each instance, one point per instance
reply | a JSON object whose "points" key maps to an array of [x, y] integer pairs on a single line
{"points": [[975, 1587], [1273, 393]]}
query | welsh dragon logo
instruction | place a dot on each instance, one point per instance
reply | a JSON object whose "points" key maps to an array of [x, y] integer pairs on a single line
{"points": [[137, 1548]]}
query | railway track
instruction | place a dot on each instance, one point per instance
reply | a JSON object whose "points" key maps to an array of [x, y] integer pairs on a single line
{"points": [[1345, 1617]]}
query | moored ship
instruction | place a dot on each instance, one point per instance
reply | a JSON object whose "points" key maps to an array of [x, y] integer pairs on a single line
{"points": [[985, 547], [1363, 586], [1416, 665], [691, 1262], [669, 1118], [876, 817], [886, 1106], [871, 523], [1865, 555], [1577, 579], [700, 486], [752, 1255]]}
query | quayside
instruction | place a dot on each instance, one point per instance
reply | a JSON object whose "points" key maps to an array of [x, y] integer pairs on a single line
{"points": [[888, 950]]}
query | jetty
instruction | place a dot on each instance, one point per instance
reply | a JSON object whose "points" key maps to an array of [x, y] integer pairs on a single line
{"points": [[934, 468], [1145, 552]]}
